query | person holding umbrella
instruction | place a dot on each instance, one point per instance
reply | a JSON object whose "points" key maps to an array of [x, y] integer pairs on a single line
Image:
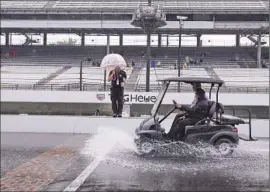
{"points": [[117, 78], [115, 63]]}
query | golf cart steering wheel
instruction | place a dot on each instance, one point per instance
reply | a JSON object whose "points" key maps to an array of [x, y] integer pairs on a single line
{"points": [[175, 103]]}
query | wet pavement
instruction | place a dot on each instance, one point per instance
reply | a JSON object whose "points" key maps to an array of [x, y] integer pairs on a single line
{"points": [[108, 162]]}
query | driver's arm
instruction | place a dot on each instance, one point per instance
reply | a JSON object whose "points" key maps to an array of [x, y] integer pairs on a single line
{"points": [[187, 108], [198, 109]]}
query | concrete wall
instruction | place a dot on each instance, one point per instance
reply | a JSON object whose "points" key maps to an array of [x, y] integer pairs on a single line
{"points": [[241, 99], [261, 112], [79, 124], [86, 103]]}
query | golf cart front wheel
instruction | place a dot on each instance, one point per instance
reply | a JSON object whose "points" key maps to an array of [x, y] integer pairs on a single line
{"points": [[224, 146], [145, 147]]}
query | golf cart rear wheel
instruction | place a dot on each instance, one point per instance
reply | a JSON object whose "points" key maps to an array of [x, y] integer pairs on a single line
{"points": [[224, 146]]}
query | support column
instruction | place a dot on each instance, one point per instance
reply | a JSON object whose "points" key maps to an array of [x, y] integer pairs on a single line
{"points": [[108, 44], [159, 40], [259, 51], [237, 40], [7, 39], [121, 44], [167, 40], [148, 55], [45, 39], [108, 52], [121, 40], [82, 39], [199, 40], [179, 54]]}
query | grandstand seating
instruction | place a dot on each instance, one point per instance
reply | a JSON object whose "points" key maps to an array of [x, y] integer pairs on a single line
{"points": [[23, 4], [29, 75], [129, 5], [51, 56], [215, 57], [54, 58], [158, 73], [244, 77], [251, 79], [92, 77]]}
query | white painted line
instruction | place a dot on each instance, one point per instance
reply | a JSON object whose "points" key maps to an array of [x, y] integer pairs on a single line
{"points": [[87, 171]]}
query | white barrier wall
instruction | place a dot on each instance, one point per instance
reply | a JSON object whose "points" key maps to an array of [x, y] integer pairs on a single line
{"points": [[79, 124], [240, 99]]}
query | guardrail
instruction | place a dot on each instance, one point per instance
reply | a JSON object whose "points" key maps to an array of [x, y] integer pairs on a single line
{"points": [[139, 88]]}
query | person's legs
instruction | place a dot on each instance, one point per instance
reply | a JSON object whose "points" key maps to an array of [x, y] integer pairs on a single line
{"points": [[176, 118], [174, 126], [120, 101], [179, 129], [114, 101]]}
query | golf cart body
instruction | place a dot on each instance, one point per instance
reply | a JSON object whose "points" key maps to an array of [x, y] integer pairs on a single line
{"points": [[216, 129]]}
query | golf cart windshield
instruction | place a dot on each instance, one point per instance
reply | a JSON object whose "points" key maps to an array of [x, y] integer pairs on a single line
{"points": [[159, 98]]}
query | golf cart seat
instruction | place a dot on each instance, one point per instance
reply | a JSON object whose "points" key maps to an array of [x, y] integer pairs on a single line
{"points": [[203, 124], [222, 118]]}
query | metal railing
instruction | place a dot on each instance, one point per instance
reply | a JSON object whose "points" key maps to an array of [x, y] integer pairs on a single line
{"points": [[139, 88]]}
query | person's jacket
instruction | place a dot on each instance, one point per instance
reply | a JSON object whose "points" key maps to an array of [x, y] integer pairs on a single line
{"points": [[196, 100], [199, 110], [118, 79]]}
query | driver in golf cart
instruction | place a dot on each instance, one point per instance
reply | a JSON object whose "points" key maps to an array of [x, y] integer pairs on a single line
{"points": [[195, 112], [180, 115]]}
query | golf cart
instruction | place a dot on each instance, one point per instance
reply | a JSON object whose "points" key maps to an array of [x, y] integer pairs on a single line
{"points": [[217, 129]]}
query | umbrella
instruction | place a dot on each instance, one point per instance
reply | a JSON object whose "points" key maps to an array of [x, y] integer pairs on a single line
{"points": [[110, 61]]}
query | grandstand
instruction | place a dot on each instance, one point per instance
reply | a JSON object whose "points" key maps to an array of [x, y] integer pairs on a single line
{"points": [[37, 64], [128, 6], [25, 75]]}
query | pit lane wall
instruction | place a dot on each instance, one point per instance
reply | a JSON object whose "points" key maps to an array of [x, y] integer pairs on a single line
{"points": [[242, 99], [78, 103], [86, 103], [92, 125]]}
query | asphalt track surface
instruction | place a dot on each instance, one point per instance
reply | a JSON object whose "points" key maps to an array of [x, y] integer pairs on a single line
{"points": [[108, 162]]}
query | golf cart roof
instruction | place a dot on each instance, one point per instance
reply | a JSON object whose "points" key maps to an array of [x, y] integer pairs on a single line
{"points": [[193, 80]]}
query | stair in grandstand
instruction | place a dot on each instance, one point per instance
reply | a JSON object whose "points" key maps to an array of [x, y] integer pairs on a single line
{"points": [[212, 73], [50, 4], [251, 59], [132, 80], [52, 76], [265, 62]]}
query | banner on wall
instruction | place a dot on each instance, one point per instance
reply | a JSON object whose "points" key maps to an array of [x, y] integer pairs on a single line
{"points": [[185, 98], [130, 97], [239, 99]]}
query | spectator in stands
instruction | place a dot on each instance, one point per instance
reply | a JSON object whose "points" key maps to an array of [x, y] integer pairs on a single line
{"points": [[185, 65], [187, 59], [158, 64], [117, 78], [132, 63], [191, 61]]}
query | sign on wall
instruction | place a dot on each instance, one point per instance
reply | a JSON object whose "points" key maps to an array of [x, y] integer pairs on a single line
{"points": [[239, 99], [129, 97]]}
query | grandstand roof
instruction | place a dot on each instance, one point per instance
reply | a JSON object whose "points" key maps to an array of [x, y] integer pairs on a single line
{"points": [[125, 26], [128, 6]]}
